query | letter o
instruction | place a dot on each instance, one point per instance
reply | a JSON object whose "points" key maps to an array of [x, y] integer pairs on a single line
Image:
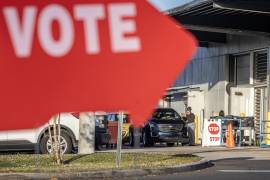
{"points": [[55, 48]]}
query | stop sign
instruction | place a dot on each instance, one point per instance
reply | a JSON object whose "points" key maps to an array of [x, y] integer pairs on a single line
{"points": [[213, 128], [86, 55]]}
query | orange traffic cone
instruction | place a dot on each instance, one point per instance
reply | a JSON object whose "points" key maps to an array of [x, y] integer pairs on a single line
{"points": [[230, 139]]}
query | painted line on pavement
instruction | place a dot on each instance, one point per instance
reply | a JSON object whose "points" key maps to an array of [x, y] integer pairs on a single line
{"points": [[245, 171]]}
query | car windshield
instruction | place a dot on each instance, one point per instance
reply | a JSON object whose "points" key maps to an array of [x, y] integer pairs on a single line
{"points": [[116, 117], [166, 115]]}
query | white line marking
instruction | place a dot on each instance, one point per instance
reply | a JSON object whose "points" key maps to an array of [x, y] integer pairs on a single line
{"points": [[245, 171]]}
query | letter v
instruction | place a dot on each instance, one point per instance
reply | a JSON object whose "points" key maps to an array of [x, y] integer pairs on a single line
{"points": [[21, 34]]}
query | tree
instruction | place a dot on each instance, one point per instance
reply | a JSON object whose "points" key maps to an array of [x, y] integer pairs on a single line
{"points": [[55, 138]]}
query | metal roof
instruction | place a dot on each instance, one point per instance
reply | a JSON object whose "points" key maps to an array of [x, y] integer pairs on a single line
{"points": [[225, 7], [212, 20]]}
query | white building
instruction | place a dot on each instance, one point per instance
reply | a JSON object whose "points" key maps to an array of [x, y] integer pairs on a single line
{"points": [[230, 71]]}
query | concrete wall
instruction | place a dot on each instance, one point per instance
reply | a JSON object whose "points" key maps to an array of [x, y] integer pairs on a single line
{"points": [[243, 103], [178, 102], [179, 106], [196, 101]]}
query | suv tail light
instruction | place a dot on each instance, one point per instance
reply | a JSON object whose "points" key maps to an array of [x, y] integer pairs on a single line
{"points": [[76, 115]]}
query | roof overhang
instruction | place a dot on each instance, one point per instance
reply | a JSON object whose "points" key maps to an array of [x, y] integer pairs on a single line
{"points": [[181, 90], [212, 20], [259, 6]]}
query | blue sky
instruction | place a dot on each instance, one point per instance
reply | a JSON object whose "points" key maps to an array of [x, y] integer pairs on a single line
{"points": [[167, 4]]}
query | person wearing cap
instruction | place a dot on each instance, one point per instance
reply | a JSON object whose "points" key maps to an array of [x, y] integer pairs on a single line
{"points": [[190, 118]]}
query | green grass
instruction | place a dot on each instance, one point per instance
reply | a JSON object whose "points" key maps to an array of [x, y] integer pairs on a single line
{"points": [[97, 161]]}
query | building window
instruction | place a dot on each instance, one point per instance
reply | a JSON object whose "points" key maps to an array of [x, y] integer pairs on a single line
{"points": [[239, 69], [242, 69]]}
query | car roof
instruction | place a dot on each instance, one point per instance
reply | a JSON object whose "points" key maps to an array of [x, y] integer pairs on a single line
{"points": [[164, 109]]}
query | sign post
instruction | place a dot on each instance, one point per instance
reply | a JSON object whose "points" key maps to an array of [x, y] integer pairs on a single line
{"points": [[119, 139]]}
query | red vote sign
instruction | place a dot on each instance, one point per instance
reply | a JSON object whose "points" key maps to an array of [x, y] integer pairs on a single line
{"points": [[85, 55]]}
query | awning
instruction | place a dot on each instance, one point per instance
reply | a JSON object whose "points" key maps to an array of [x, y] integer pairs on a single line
{"points": [[176, 90], [212, 20]]}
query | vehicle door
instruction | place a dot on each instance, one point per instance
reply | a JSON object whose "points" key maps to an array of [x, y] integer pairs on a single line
{"points": [[3, 140], [22, 139]]}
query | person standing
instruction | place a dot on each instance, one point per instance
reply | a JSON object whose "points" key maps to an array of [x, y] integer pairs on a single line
{"points": [[221, 113], [190, 126]]}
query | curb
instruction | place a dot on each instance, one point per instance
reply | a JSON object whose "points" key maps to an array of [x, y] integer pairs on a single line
{"points": [[115, 173]]}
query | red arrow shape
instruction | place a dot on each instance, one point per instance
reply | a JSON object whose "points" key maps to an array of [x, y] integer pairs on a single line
{"points": [[38, 86]]}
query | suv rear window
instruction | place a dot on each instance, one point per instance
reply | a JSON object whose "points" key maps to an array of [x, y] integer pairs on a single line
{"points": [[166, 114]]}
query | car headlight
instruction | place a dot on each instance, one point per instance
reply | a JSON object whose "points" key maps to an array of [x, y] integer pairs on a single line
{"points": [[153, 126]]}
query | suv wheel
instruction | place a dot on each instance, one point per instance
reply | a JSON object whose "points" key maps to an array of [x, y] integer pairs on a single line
{"points": [[184, 143], [65, 143], [130, 138], [170, 144], [147, 140]]}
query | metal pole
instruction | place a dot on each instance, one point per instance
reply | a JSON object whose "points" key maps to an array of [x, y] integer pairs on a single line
{"points": [[261, 117], [240, 133], [119, 139]]}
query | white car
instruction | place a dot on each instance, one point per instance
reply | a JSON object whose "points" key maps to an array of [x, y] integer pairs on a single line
{"points": [[38, 139]]}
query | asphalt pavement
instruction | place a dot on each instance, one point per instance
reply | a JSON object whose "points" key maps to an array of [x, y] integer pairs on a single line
{"points": [[226, 169], [247, 163]]}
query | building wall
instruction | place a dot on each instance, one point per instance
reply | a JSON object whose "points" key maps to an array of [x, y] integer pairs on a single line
{"points": [[209, 70], [196, 101], [179, 103], [242, 104]]}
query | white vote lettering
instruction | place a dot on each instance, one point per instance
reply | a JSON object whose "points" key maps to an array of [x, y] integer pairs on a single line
{"points": [[60, 47], [90, 14], [21, 34], [121, 24], [120, 27]]}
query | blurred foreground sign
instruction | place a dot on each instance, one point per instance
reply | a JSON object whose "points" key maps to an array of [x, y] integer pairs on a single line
{"points": [[85, 55]]}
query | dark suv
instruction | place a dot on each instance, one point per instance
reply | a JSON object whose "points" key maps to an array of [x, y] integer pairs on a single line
{"points": [[165, 125], [102, 137]]}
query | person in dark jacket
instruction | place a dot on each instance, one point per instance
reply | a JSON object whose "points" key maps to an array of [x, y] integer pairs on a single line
{"points": [[190, 126], [221, 113]]}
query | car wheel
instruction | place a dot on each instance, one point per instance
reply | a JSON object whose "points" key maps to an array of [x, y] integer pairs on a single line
{"points": [[184, 143], [130, 138], [65, 143], [147, 140], [170, 144]]}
